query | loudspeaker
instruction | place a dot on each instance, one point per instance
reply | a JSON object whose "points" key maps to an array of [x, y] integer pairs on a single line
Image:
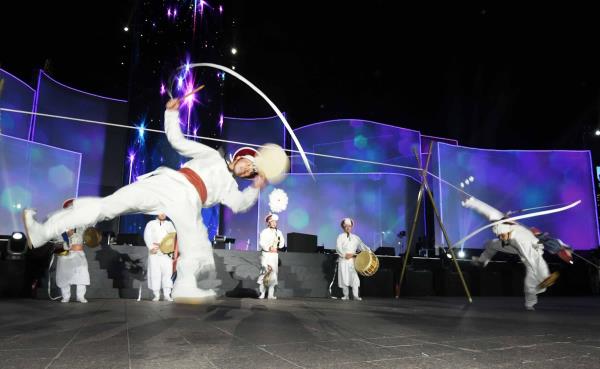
{"points": [[300, 242], [384, 250], [134, 239], [381, 284], [3, 245]]}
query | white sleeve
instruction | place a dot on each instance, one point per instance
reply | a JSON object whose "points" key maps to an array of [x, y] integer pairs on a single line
{"points": [[362, 246], [265, 240], [281, 238], [240, 201], [185, 147], [339, 247], [148, 237], [491, 213]]}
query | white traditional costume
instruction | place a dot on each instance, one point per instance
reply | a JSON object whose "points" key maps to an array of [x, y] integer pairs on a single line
{"points": [[348, 243], [522, 242], [271, 239], [160, 266], [203, 181]]}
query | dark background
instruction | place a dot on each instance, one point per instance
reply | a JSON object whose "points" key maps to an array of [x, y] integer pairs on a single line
{"points": [[498, 76]]}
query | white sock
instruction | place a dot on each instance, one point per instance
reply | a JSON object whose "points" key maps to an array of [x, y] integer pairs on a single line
{"points": [[81, 288], [345, 291]]}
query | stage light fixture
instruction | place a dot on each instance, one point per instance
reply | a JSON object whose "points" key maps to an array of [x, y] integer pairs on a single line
{"points": [[16, 248], [233, 51], [597, 133], [461, 254]]}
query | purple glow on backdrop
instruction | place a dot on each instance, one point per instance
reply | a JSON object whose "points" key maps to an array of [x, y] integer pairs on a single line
{"points": [[16, 97], [518, 179], [89, 139], [34, 175], [382, 204], [35, 106], [17, 79], [81, 91], [362, 140]]}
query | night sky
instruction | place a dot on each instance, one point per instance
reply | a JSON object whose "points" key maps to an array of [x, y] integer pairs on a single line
{"points": [[489, 76]]}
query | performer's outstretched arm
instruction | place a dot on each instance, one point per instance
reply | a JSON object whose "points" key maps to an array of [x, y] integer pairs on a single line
{"points": [[491, 213], [240, 201], [183, 146]]}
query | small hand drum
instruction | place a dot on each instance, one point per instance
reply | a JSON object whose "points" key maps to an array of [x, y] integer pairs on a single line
{"points": [[366, 263], [272, 162], [167, 245], [267, 277], [549, 281], [91, 237]]}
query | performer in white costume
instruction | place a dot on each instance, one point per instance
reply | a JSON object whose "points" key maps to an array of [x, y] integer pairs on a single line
{"points": [[346, 246], [204, 181], [160, 266], [514, 239], [72, 268], [271, 239]]}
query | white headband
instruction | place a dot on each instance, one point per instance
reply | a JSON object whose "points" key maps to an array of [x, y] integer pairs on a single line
{"points": [[502, 228]]}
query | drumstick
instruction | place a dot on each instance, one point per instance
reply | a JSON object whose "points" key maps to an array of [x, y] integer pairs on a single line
{"points": [[191, 93]]}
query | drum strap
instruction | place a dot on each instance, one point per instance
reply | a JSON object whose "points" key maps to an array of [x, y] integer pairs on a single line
{"points": [[175, 256]]}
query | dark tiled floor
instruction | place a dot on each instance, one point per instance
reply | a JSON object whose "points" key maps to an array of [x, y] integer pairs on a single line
{"points": [[302, 333]]}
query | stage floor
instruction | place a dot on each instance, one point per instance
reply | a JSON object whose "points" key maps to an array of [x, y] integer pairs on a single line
{"points": [[302, 333]]}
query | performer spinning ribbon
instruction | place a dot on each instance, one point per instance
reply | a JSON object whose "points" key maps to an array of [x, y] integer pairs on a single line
{"points": [[346, 246], [204, 181], [515, 239], [271, 239]]}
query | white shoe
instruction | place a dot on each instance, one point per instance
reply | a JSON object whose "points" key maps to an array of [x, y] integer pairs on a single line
{"points": [[345, 298], [529, 308], [357, 298], [156, 298], [82, 300], [33, 229], [64, 300], [262, 296], [193, 295], [272, 297], [168, 298]]}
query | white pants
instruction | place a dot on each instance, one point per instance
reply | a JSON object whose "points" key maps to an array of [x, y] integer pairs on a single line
{"points": [[66, 292], [168, 192], [72, 269], [160, 271], [269, 259], [347, 276], [536, 268]]}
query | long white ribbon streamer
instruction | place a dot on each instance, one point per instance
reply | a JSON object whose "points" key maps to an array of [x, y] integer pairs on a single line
{"points": [[271, 104], [524, 216]]}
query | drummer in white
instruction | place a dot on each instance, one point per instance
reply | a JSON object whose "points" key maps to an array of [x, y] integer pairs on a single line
{"points": [[346, 246], [271, 239], [160, 266], [72, 268]]}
